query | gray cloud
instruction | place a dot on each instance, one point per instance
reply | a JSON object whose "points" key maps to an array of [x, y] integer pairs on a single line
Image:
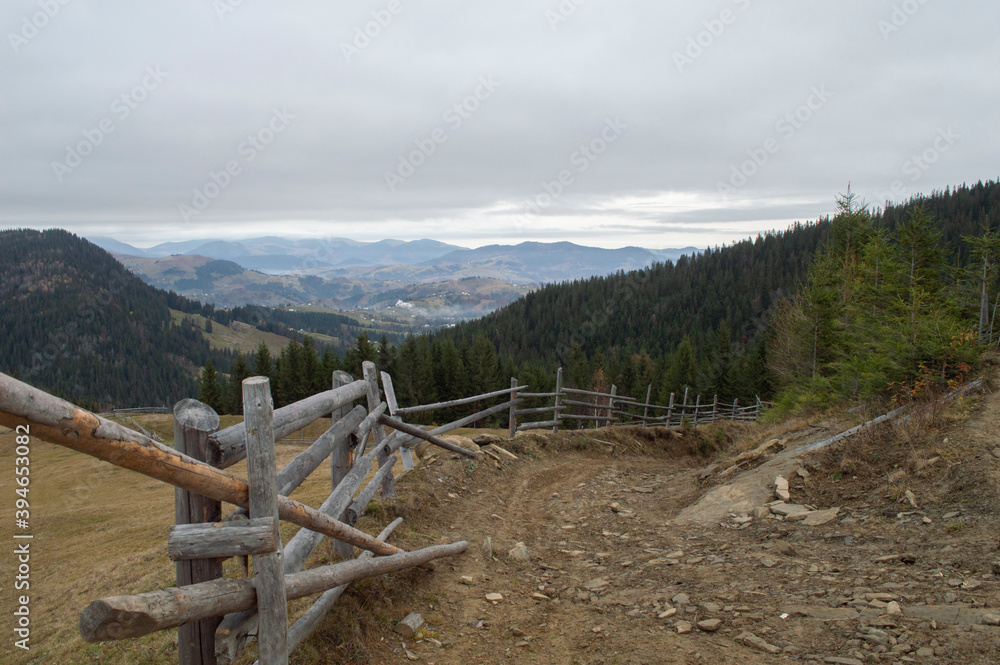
{"points": [[688, 126]]}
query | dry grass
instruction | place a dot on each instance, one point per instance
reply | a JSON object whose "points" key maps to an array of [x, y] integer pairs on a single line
{"points": [[102, 531]]}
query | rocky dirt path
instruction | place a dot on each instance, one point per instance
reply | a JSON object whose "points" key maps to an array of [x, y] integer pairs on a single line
{"points": [[612, 575]]}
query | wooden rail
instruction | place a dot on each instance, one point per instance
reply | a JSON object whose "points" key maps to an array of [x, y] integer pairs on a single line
{"points": [[200, 540]]}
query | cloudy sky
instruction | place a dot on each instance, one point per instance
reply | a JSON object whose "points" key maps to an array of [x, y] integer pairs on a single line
{"points": [[633, 122]]}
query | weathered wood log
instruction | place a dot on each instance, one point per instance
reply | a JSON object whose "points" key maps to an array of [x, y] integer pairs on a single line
{"points": [[413, 430], [341, 461], [645, 407], [611, 403], [120, 617], [193, 422], [591, 393], [557, 403], [236, 629], [60, 422], [360, 433], [299, 631], [221, 540], [512, 416], [573, 416], [541, 409], [390, 393], [390, 398], [536, 395], [410, 441], [542, 424], [340, 379], [457, 402], [357, 508], [378, 431], [573, 402], [229, 445], [296, 471], [268, 577]]}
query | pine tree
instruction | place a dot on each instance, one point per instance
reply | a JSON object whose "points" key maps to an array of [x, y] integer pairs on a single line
{"points": [[312, 380], [682, 371], [262, 365], [210, 392], [238, 371]]}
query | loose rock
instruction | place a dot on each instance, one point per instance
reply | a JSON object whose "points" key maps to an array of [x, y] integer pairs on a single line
{"points": [[781, 489], [751, 640], [820, 517], [683, 627], [519, 552], [710, 625]]}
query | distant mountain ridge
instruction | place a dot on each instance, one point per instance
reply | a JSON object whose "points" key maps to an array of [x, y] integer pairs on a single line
{"points": [[281, 255], [416, 261]]}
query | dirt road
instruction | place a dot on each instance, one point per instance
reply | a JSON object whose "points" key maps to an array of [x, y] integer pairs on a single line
{"points": [[614, 577]]}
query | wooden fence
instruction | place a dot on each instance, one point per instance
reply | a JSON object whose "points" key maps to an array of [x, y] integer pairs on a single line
{"points": [[607, 409], [217, 616]]}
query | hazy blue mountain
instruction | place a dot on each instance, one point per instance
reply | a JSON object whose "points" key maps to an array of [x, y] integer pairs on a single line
{"points": [[546, 262], [116, 247]]}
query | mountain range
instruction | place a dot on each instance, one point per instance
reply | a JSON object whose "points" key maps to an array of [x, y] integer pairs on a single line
{"points": [[415, 261]]}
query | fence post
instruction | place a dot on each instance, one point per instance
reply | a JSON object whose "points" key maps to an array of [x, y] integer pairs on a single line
{"points": [[715, 407], [341, 460], [555, 414], [393, 405], [697, 405], [684, 407], [378, 431], [513, 411], [645, 408], [611, 406], [670, 411], [735, 403], [269, 577], [193, 422]]}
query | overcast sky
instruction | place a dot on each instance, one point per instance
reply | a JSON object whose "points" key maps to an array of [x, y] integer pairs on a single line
{"points": [[633, 122]]}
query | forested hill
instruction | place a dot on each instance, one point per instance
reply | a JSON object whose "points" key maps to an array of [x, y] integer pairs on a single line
{"points": [[651, 310], [75, 322], [957, 212]]}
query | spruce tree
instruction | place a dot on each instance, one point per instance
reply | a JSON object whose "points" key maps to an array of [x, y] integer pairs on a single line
{"points": [[238, 371], [210, 392], [262, 365]]}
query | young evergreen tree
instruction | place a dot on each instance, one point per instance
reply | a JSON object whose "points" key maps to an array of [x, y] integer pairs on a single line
{"points": [[681, 372], [210, 392], [238, 371], [312, 380], [262, 365]]}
